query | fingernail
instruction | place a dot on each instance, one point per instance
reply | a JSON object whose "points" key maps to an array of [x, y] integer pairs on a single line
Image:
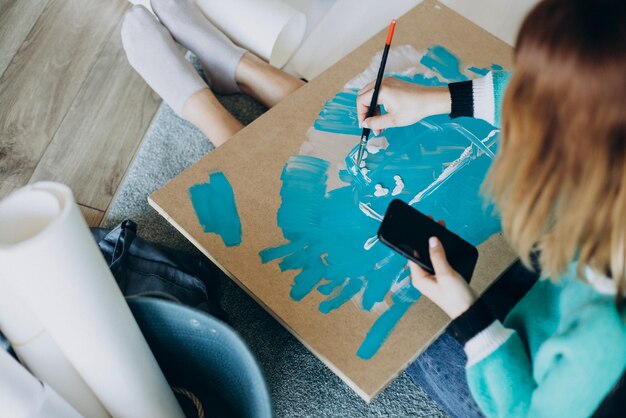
{"points": [[365, 125], [433, 242]]}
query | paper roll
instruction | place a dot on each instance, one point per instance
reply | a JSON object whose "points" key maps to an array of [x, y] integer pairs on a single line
{"points": [[41, 355], [271, 29], [49, 258], [344, 22], [21, 395]]}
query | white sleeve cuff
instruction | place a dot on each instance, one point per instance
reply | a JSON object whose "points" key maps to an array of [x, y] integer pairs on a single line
{"points": [[483, 95], [486, 342]]}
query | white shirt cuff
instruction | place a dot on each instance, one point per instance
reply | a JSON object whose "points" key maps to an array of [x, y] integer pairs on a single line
{"points": [[483, 95], [486, 342]]}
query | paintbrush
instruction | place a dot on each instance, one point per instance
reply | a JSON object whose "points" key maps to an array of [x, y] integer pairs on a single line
{"points": [[373, 103]]}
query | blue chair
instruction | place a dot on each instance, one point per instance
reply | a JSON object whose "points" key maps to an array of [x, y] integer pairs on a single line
{"points": [[205, 357]]}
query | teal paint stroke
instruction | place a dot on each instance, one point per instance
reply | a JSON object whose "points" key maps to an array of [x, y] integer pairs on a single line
{"points": [[326, 230], [484, 71], [443, 62], [216, 210]]}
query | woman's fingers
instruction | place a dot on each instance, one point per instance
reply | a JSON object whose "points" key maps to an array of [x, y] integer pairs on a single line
{"points": [[417, 271], [421, 279], [438, 257], [363, 100], [380, 122], [363, 105]]}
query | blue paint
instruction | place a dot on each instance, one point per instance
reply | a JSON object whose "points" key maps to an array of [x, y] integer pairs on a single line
{"points": [[326, 230], [479, 71], [214, 204], [444, 62], [339, 115], [381, 329], [484, 71]]}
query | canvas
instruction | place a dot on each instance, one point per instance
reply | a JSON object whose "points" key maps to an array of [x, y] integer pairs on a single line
{"points": [[284, 211]]}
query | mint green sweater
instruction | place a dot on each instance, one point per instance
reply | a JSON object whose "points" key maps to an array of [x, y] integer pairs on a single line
{"points": [[559, 352], [562, 348]]}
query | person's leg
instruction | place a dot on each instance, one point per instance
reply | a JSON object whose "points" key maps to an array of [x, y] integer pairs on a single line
{"points": [[440, 372], [207, 114], [217, 54], [267, 84], [155, 56], [255, 78], [229, 68]]}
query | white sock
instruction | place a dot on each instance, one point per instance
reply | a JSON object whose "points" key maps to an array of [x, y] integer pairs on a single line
{"points": [[217, 54], [154, 54]]}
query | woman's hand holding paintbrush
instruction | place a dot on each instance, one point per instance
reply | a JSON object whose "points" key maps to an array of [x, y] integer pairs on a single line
{"points": [[405, 103]]}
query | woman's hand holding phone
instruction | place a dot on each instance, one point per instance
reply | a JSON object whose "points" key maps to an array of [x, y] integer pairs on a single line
{"points": [[419, 238], [446, 288]]}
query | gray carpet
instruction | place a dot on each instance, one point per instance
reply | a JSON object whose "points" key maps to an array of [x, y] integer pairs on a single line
{"points": [[300, 385]]}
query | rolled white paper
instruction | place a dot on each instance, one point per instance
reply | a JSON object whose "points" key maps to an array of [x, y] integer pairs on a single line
{"points": [[344, 22], [22, 395], [49, 258], [41, 355], [271, 29]]}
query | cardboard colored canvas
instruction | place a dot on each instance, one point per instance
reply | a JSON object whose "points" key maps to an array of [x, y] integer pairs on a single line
{"points": [[252, 163]]}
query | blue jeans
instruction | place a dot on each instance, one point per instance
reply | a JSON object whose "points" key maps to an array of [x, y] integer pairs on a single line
{"points": [[440, 371]]}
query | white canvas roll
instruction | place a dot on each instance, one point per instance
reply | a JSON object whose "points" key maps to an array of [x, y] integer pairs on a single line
{"points": [[41, 355], [271, 29], [22, 395], [342, 30], [49, 258]]}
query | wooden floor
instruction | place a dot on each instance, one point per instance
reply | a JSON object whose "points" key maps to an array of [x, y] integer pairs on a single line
{"points": [[71, 108]]}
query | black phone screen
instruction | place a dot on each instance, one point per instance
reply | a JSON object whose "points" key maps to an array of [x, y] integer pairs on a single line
{"points": [[406, 230]]}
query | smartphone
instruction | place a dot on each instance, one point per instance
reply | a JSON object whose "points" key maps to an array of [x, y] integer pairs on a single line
{"points": [[407, 230]]}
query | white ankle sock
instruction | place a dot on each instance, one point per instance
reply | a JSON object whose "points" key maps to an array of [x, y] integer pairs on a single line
{"points": [[217, 54], [154, 54]]}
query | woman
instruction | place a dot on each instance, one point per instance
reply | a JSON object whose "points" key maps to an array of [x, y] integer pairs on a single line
{"points": [[559, 182]]}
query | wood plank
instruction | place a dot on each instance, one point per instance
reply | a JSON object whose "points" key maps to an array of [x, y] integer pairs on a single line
{"points": [[91, 215], [17, 18], [42, 80], [99, 136]]}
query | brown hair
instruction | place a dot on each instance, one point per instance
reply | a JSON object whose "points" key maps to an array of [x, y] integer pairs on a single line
{"points": [[559, 179]]}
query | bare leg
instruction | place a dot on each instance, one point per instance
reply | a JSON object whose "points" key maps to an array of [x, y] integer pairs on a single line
{"points": [[207, 114], [256, 78], [267, 84], [153, 52]]}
